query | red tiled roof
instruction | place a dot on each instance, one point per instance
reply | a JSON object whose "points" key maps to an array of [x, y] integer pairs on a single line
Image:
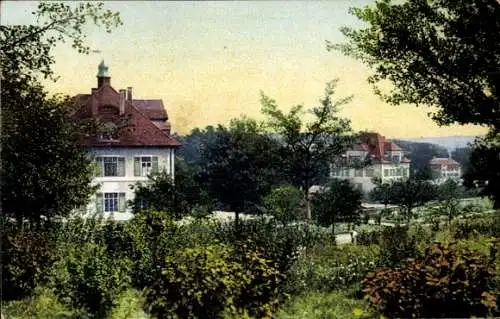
{"points": [[443, 161], [153, 109], [377, 145], [389, 146], [141, 131]]}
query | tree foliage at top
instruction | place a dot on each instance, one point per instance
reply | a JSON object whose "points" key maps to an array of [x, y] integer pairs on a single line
{"points": [[305, 145], [26, 50], [442, 53]]}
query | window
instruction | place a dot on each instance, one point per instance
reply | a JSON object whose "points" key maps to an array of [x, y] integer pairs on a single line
{"points": [[396, 158], [109, 132], [110, 202], [111, 166], [369, 172], [386, 172], [145, 165], [358, 173], [399, 171], [336, 172]]}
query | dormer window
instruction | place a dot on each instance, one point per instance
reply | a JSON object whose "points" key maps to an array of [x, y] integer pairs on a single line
{"points": [[109, 132]]}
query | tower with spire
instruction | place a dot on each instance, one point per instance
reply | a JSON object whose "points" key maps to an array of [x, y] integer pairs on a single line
{"points": [[103, 75]]}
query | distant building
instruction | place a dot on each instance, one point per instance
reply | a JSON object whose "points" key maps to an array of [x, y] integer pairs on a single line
{"points": [[374, 157], [124, 153], [443, 169]]}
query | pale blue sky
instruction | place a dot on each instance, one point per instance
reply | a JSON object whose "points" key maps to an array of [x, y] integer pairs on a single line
{"points": [[209, 60]]}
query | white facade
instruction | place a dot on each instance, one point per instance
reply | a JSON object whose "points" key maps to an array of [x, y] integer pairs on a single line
{"points": [[120, 168], [390, 169]]}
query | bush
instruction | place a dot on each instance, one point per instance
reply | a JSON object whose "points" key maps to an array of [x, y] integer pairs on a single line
{"points": [[396, 244], [262, 292], [26, 256], [42, 305], [276, 243], [444, 283], [153, 235], [128, 305], [328, 268], [87, 276], [487, 225], [197, 282], [325, 305]]}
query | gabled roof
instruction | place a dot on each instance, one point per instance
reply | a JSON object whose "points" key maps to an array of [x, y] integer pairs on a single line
{"points": [[377, 145], [141, 131], [153, 109]]}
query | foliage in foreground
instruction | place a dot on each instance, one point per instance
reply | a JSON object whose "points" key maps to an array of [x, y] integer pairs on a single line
{"points": [[320, 305], [206, 281], [331, 268], [445, 282]]}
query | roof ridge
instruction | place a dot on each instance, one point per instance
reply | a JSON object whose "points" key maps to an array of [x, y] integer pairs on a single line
{"points": [[148, 120]]}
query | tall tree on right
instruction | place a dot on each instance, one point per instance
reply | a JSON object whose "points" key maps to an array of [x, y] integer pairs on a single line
{"points": [[442, 54]]}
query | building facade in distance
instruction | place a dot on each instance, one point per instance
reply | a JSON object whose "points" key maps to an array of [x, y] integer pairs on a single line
{"points": [[443, 169], [374, 157], [133, 140]]}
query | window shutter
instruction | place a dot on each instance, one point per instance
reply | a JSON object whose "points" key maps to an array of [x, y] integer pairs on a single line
{"points": [[137, 166], [122, 203], [99, 162], [155, 164], [121, 166], [99, 205]]}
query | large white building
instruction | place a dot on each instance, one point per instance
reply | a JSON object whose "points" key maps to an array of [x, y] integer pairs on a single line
{"points": [[443, 169], [375, 156], [133, 141]]}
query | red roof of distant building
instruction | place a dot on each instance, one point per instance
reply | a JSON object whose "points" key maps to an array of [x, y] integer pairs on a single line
{"points": [[377, 145], [443, 161]]}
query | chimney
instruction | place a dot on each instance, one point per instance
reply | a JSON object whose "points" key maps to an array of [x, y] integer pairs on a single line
{"points": [[93, 97], [122, 101], [129, 93]]}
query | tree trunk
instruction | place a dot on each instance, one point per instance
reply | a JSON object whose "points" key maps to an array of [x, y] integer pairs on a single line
{"points": [[308, 205], [237, 219]]}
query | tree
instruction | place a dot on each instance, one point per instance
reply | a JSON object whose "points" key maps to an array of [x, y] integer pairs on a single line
{"points": [[240, 166], [426, 50], [341, 201], [307, 147], [484, 168], [407, 194], [158, 194], [448, 195], [26, 50], [44, 171], [285, 203]]}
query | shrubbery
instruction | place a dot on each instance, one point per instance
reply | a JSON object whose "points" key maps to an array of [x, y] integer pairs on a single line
{"points": [[445, 282], [327, 268]]}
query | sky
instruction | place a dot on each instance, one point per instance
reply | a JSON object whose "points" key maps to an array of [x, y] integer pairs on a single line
{"points": [[209, 61]]}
